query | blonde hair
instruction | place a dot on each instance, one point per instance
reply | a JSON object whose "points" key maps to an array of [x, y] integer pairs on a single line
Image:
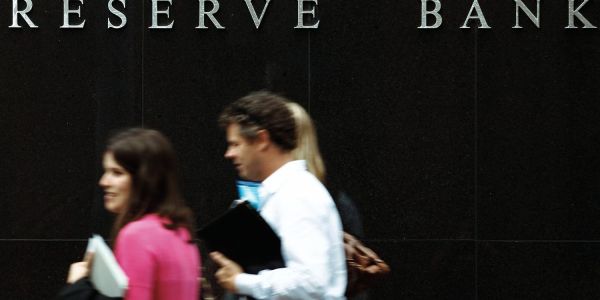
{"points": [[307, 147]]}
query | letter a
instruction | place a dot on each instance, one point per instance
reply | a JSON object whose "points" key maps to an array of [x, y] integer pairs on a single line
{"points": [[478, 16]]}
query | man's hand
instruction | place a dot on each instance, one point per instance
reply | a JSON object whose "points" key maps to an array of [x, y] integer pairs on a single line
{"points": [[80, 269], [227, 272]]}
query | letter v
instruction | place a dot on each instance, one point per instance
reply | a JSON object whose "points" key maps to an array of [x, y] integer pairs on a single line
{"points": [[252, 11]]}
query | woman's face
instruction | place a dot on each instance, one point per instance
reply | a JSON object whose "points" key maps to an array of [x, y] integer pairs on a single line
{"points": [[116, 183]]}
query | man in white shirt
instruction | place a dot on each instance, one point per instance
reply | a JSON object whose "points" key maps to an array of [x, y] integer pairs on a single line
{"points": [[261, 134]]}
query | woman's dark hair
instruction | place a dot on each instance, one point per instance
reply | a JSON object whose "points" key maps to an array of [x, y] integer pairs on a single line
{"points": [[150, 159]]}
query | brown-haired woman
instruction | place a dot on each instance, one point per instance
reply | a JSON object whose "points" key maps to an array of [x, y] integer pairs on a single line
{"points": [[154, 228]]}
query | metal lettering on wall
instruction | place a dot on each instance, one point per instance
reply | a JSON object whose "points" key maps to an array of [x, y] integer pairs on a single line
{"points": [[307, 18], [306, 15], [433, 9]]}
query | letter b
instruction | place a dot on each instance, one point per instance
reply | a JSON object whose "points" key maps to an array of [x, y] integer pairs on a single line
{"points": [[434, 12]]}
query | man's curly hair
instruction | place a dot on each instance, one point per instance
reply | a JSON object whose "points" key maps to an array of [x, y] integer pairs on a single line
{"points": [[262, 110]]}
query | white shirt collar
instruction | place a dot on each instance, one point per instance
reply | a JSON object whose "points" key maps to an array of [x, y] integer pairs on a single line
{"points": [[275, 180]]}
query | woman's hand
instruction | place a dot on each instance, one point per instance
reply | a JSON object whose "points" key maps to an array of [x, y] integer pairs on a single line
{"points": [[80, 269]]}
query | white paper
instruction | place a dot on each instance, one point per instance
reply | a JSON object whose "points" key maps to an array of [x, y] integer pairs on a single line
{"points": [[106, 275]]}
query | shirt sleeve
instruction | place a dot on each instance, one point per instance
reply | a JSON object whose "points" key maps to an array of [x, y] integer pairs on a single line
{"points": [[133, 252], [306, 249]]}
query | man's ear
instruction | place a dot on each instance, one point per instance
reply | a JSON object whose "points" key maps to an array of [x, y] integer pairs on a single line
{"points": [[263, 139]]}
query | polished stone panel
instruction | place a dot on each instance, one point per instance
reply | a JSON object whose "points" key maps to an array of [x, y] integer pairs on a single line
{"points": [[538, 270], [36, 269], [63, 90], [426, 270], [394, 108], [538, 128]]}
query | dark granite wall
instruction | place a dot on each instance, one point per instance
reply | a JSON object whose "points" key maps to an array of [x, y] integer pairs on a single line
{"points": [[472, 154]]}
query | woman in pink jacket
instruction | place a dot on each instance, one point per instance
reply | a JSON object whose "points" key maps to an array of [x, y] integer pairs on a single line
{"points": [[154, 228]]}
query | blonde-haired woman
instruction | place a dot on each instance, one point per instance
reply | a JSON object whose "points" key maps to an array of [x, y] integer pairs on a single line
{"points": [[307, 146], [308, 149]]}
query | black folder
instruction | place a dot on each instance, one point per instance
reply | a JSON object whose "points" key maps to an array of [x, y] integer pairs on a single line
{"points": [[243, 236]]}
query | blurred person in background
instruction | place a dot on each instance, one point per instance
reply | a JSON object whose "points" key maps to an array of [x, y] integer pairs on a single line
{"points": [[308, 149]]}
